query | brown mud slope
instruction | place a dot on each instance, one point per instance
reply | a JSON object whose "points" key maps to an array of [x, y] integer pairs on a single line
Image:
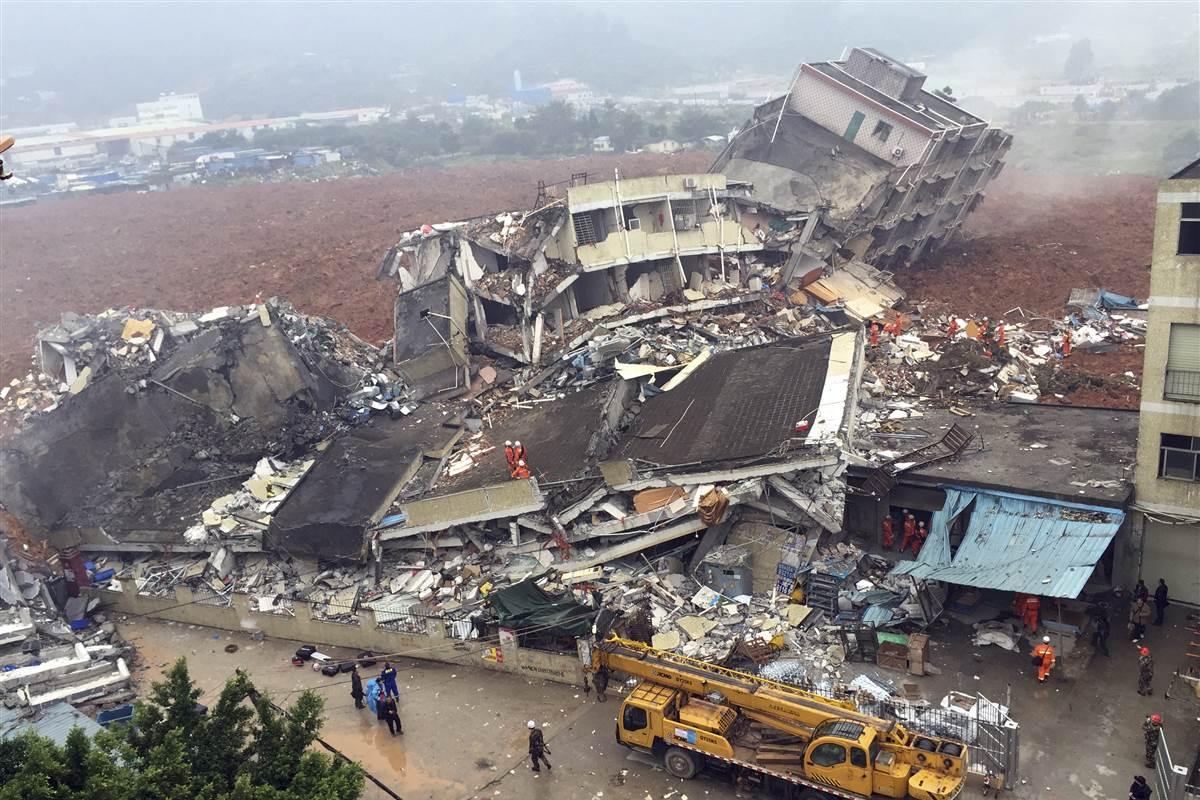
{"points": [[317, 244], [1035, 238]]}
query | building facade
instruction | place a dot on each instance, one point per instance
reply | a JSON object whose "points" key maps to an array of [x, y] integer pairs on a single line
{"points": [[171, 107], [892, 169], [1167, 480]]}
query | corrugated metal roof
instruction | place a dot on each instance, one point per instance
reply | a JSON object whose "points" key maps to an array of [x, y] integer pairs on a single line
{"points": [[53, 721], [1019, 544]]}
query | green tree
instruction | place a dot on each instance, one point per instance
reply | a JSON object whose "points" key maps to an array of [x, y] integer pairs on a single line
{"points": [[238, 752], [694, 124]]}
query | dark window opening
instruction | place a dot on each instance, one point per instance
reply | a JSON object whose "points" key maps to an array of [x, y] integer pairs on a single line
{"points": [[498, 313], [882, 131], [858, 757], [589, 228], [592, 290], [634, 719], [1189, 229], [828, 755], [1179, 457]]}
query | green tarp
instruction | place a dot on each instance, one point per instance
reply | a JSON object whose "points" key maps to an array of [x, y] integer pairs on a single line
{"points": [[527, 609]]}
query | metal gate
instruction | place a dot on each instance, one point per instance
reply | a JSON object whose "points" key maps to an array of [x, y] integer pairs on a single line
{"points": [[992, 737], [1172, 778]]}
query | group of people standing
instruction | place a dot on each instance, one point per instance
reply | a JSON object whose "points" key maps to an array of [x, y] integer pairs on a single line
{"points": [[914, 533], [387, 692]]}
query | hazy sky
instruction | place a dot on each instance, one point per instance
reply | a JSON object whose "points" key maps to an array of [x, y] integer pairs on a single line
{"points": [[273, 57]]}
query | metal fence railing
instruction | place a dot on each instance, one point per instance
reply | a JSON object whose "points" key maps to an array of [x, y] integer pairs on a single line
{"points": [[1175, 781]]}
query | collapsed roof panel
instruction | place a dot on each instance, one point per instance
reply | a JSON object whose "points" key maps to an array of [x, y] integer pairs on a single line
{"points": [[354, 482], [738, 405]]}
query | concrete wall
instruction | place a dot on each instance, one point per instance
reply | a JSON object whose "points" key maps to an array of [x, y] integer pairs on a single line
{"points": [[1169, 551], [645, 245], [366, 635], [1174, 297], [832, 106], [632, 190]]}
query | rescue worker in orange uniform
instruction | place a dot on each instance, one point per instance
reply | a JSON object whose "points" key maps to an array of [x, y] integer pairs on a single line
{"points": [[1043, 659], [1000, 334], [874, 334], [910, 530], [510, 456], [889, 535], [919, 539], [1033, 607], [953, 327], [518, 452], [520, 471], [1066, 343]]}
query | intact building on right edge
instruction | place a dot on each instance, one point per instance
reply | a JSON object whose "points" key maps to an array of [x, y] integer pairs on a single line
{"points": [[1167, 481]]}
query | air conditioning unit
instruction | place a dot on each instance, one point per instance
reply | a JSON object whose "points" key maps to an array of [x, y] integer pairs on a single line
{"points": [[689, 183], [897, 152], [633, 224]]}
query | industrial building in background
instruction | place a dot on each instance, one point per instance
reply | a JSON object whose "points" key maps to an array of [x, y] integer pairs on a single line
{"points": [[1167, 482], [888, 170]]}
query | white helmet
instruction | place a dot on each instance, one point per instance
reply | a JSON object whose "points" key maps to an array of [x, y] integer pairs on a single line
{"points": [[531, 724], [1046, 639], [517, 443], [507, 443]]}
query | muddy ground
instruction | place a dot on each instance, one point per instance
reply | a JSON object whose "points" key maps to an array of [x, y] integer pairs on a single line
{"points": [[1032, 241]]}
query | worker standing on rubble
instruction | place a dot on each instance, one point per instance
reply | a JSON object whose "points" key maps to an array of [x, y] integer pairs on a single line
{"points": [[388, 679], [356, 687], [889, 536], [874, 334], [1000, 334], [510, 456], [1033, 609], [1150, 729], [910, 530], [953, 329], [537, 747], [520, 471], [1145, 672], [1066, 342], [919, 539], [1043, 659]]}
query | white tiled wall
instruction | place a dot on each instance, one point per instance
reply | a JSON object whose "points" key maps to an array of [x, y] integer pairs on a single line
{"points": [[832, 108]]}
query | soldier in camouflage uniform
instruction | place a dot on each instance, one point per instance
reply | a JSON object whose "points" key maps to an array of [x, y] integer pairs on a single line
{"points": [[1150, 728], [1145, 671]]}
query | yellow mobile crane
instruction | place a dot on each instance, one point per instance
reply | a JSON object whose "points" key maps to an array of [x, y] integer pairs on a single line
{"points": [[802, 745]]}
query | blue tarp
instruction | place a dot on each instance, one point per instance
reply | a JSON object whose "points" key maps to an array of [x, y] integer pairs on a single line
{"points": [[1016, 543]]}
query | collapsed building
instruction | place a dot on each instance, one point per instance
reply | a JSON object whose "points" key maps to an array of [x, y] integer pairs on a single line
{"points": [[879, 168]]}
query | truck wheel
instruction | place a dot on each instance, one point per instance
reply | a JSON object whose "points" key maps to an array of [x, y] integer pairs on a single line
{"points": [[681, 763]]}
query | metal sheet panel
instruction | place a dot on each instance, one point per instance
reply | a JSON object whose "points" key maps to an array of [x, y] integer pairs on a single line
{"points": [[53, 721], [1025, 544]]}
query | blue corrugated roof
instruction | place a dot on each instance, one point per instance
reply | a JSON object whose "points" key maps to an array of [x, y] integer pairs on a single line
{"points": [[52, 721], [1016, 543]]}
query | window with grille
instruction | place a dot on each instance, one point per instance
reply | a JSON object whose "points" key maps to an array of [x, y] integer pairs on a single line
{"points": [[1183, 363], [1179, 457], [585, 231], [882, 131]]}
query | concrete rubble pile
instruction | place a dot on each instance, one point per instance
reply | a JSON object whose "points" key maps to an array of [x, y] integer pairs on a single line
{"points": [[56, 645], [137, 417], [924, 366]]}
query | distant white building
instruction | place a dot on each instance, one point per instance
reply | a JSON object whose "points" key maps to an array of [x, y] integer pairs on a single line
{"points": [[171, 107], [665, 146], [602, 144]]}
